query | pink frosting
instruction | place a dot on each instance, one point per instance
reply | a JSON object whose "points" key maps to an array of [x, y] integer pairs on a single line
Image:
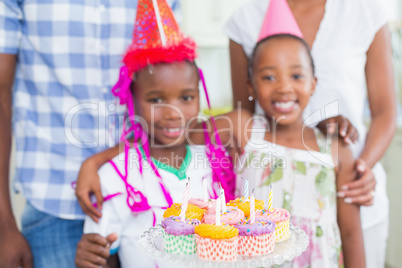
{"points": [[231, 216], [199, 203], [278, 215]]}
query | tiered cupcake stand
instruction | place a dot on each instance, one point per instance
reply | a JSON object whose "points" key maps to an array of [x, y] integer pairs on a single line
{"points": [[152, 243]]}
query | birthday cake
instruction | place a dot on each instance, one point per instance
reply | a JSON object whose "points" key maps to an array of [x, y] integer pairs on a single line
{"points": [[220, 231], [225, 232]]}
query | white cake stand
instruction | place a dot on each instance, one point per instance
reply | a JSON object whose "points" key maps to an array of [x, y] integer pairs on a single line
{"points": [[152, 243]]}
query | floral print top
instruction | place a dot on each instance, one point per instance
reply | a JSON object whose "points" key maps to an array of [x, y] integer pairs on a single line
{"points": [[303, 183]]}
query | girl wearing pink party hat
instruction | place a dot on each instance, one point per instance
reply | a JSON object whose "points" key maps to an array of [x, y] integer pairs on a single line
{"points": [[351, 47], [159, 84], [304, 167]]}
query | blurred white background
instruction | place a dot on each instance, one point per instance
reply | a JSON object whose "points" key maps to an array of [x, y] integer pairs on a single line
{"points": [[204, 19]]}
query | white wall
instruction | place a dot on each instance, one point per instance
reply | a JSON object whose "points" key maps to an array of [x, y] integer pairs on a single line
{"points": [[17, 200], [204, 20]]}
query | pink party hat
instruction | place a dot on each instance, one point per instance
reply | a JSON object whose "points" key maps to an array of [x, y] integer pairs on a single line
{"points": [[279, 19]]}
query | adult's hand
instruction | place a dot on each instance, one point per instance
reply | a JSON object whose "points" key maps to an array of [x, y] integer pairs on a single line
{"points": [[362, 190], [346, 130], [14, 249], [88, 183], [93, 250]]}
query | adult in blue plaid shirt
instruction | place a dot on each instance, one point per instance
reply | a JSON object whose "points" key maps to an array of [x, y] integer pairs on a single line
{"points": [[58, 61]]}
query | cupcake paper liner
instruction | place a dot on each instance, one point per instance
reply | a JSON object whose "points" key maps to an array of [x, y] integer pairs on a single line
{"points": [[282, 231], [179, 244], [217, 249], [256, 245]]}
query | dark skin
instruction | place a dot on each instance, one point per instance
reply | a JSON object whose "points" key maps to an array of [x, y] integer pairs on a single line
{"points": [[162, 106], [14, 249], [93, 250], [380, 88], [167, 100], [288, 78]]}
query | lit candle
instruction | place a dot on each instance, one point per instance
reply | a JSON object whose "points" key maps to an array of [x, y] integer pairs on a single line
{"points": [[270, 208], [252, 208], [218, 212], [206, 195], [245, 189], [184, 204]]}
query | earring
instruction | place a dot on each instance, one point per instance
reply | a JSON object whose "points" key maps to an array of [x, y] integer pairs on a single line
{"points": [[250, 98]]}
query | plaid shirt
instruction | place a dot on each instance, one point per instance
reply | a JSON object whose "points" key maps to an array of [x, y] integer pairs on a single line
{"points": [[69, 55]]}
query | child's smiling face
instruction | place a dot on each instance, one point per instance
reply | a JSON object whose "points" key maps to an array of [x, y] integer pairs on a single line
{"points": [[282, 79], [167, 99]]}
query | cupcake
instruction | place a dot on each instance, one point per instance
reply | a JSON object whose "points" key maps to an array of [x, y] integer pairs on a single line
{"points": [[200, 203], [257, 238], [216, 242], [192, 212], [231, 216], [244, 205], [178, 236], [280, 217]]}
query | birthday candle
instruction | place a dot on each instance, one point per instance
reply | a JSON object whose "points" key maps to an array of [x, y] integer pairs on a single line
{"points": [[185, 201], [245, 188], [206, 195], [222, 196], [218, 212], [270, 208], [252, 208]]}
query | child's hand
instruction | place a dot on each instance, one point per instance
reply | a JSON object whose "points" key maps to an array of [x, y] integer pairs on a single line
{"points": [[93, 250], [362, 190], [346, 130], [88, 183]]}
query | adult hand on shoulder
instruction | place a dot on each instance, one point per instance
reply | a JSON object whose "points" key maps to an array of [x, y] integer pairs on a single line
{"points": [[93, 250], [347, 131], [88, 183], [362, 190], [14, 249]]}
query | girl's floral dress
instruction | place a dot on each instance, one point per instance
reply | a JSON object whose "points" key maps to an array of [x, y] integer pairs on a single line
{"points": [[304, 184]]}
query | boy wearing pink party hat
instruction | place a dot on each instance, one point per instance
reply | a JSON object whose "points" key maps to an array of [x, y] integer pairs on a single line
{"points": [[159, 85], [304, 167]]}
